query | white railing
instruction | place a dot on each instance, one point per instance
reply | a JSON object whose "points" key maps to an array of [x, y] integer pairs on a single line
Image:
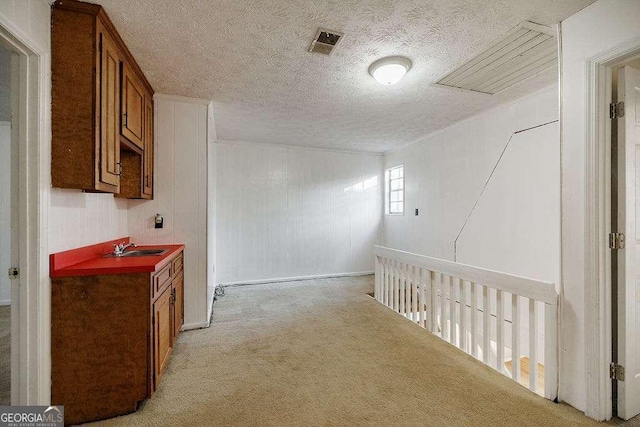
{"points": [[449, 299]]}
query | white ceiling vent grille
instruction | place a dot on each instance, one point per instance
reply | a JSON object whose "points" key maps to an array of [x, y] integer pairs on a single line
{"points": [[523, 52], [325, 41]]}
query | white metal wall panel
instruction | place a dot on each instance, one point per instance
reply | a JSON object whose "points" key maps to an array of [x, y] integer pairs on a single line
{"points": [[289, 212]]}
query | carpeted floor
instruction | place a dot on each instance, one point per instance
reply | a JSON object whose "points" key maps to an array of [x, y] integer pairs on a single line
{"points": [[5, 355], [322, 352]]}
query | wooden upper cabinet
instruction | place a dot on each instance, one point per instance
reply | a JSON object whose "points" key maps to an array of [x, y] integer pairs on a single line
{"points": [[133, 107], [110, 167], [147, 162], [99, 106]]}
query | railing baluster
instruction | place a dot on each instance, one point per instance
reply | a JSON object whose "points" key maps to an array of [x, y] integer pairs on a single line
{"points": [[401, 289], [533, 348], [515, 338], [486, 332], [443, 309], [414, 294], [383, 296], [499, 332], [377, 294], [452, 312], [433, 303], [389, 284], [550, 350], [474, 320], [419, 296], [411, 284], [462, 287], [396, 285]]}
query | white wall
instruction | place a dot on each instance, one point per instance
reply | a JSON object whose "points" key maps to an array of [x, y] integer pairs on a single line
{"points": [[180, 196], [5, 84], [5, 211], [290, 212], [600, 27], [515, 227], [446, 171], [80, 219], [212, 150], [76, 218]]}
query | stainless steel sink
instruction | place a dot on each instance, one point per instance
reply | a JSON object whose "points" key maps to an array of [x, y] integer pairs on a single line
{"points": [[139, 252]]}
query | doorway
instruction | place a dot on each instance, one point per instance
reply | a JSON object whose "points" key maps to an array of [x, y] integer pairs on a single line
{"points": [[8, 220], [625, 238], [29, 322]]}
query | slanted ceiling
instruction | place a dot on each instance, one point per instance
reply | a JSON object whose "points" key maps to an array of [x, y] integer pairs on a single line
{"points": [[524, 52]]}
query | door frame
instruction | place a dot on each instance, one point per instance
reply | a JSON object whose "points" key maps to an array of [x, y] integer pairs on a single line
{"points": [[31, 361], [597, 266]]}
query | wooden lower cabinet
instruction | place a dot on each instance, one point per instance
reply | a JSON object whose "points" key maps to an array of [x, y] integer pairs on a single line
{"points": [[162, 334], [111, 339]]}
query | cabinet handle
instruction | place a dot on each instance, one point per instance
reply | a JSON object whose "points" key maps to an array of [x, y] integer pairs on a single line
{"points": [[119, 169], [126, 119], [146, 180]]}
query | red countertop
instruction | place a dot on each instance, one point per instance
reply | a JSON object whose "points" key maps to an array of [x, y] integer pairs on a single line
{"points": [[88, 260]]}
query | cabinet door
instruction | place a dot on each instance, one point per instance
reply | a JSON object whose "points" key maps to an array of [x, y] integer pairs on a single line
{"points": [[178, 306], [133, 107], [147, 161], [109, 111], [162, 334]]}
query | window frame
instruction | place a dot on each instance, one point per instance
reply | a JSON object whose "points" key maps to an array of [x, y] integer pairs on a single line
{"points": [[388, 190]]}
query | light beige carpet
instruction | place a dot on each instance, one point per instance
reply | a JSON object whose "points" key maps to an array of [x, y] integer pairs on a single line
{"points": [[5, 355], [324, 353]]}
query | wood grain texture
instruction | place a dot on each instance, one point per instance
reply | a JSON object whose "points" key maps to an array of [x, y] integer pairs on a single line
{"points": [[130, 180], [72, 84], [147, 165], [97, 10], [163, 334], [110, 167], [99, 345], [87, 56], [111, 341], [132, 107]]}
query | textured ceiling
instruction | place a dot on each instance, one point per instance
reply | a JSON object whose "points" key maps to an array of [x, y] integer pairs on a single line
{"points": [[250, 57]]}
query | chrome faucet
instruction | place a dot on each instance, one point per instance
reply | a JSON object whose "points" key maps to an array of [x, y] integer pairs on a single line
{"points": [[118, 249]]}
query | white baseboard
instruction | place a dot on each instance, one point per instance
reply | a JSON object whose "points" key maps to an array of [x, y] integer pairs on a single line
{"points": [[192, 326], [5, 302], [293, 279]]}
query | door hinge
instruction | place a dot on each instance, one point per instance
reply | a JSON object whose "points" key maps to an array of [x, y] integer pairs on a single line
{"points": [[616, 241], [14, 273], [616, 110], [616, 372]]}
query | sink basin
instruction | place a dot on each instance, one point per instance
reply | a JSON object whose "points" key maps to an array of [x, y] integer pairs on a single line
{"points": [[139, 252]]}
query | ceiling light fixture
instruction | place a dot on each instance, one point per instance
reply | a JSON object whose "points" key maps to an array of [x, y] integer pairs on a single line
{"points": [[390, 70]]}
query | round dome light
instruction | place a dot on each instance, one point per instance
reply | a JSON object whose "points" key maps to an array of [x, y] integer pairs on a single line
{"points": [[390, 70]]}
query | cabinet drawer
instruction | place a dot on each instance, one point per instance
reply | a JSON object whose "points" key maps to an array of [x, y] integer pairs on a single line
{"points": [[177, 264], [162, 280]]}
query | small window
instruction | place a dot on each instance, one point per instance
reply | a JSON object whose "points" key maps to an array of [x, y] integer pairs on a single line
{"points": [[394, 191]]}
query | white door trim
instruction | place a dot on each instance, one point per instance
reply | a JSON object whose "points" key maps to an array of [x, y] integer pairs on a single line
{"points": [[597, 265], [31, 383]]}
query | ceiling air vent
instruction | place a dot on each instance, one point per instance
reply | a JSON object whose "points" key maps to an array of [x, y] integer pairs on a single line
{"points": [[523, 52], [325, 41]]}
